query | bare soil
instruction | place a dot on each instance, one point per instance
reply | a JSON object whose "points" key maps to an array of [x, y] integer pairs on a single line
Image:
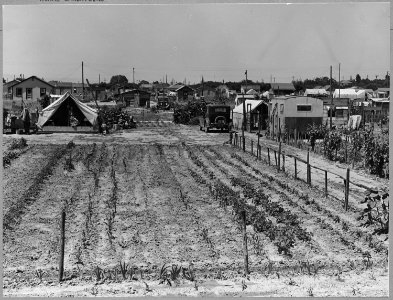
{"points": [[143, 197]]}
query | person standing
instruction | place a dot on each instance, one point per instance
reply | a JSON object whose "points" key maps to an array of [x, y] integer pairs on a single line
{"points": [[26, 120]]}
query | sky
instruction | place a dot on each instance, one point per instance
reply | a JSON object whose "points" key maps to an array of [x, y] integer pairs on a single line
{"points": [[273, 42]]}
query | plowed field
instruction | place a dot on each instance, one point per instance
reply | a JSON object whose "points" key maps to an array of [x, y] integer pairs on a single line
{"points": [[152, 203]]}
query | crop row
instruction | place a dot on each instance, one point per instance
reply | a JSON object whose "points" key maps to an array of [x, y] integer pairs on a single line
{"points": [[283, 235], [13, 215], [376, 245]]}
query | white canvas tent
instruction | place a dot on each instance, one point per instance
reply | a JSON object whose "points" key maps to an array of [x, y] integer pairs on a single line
{"points": [[48, 113], [349, 93]]}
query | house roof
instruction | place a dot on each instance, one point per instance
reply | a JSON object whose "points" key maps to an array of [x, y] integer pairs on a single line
{"points": [[12, 82], [61, 84], [76, 85], [32, 78], [315, 92], [134, 91], [287, 86], [383, 90], [255, 87], [183, 87], [294, 97], [245, 96], [175, 87]]}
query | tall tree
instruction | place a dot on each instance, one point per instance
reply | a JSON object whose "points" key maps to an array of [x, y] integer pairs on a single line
{"points": [[358, 78], [118, 79]]}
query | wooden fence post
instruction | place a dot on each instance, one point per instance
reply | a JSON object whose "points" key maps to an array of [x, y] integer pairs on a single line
{"points": [[283, 162], [245, 250], [252, 147], [347, 190], [308, 166], [279, 156], [326, 186], [268, 155], [295, 137], [62, 242], [259, 152], [275, 156], [295, 167], [244, 144]]}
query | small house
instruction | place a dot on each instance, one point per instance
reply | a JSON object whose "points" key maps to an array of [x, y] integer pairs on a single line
{"points": [[183, 92], [291, 112], [135, 98], [31, 88], [61, 87], [382, 92], [317, 93], [7, 88], [284, 88]]}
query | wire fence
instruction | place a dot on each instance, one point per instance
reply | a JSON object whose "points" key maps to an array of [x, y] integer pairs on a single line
{"points": [[276, 156]]}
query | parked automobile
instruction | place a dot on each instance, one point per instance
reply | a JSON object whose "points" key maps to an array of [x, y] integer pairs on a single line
{"points": [[216, 117]]}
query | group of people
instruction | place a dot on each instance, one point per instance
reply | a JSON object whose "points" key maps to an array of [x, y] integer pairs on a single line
{"points": [[24, 116]]}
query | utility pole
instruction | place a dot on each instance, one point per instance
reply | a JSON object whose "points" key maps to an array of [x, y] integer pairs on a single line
{"points": [[99, 78], [244, 118], [339, 82], [133, 75], [331, 98], [83, 84]]}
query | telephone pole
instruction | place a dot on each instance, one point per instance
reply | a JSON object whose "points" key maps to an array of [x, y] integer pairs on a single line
{"points": [[339, 82], [133, 75], [331, 98], [83, 84], [244, 118]]}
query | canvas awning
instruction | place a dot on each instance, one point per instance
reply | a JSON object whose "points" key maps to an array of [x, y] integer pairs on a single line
{"points": [[254, 104], [90, 113]]}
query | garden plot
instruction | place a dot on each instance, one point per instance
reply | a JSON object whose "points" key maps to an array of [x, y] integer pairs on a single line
{"points": [[133, 207]]}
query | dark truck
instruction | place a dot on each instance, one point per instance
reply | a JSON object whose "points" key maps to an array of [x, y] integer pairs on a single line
{"points": [[217, 116], [163, 103]]}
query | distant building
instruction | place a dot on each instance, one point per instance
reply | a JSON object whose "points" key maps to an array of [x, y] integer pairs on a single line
{"points": [[382, 92], [32, 88], [318, 93], [135, 98], [146, 87], [290, 113], [61, 87], [206, 92], [7, 90], [281, 89], [223, 91], [183, 92]]}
